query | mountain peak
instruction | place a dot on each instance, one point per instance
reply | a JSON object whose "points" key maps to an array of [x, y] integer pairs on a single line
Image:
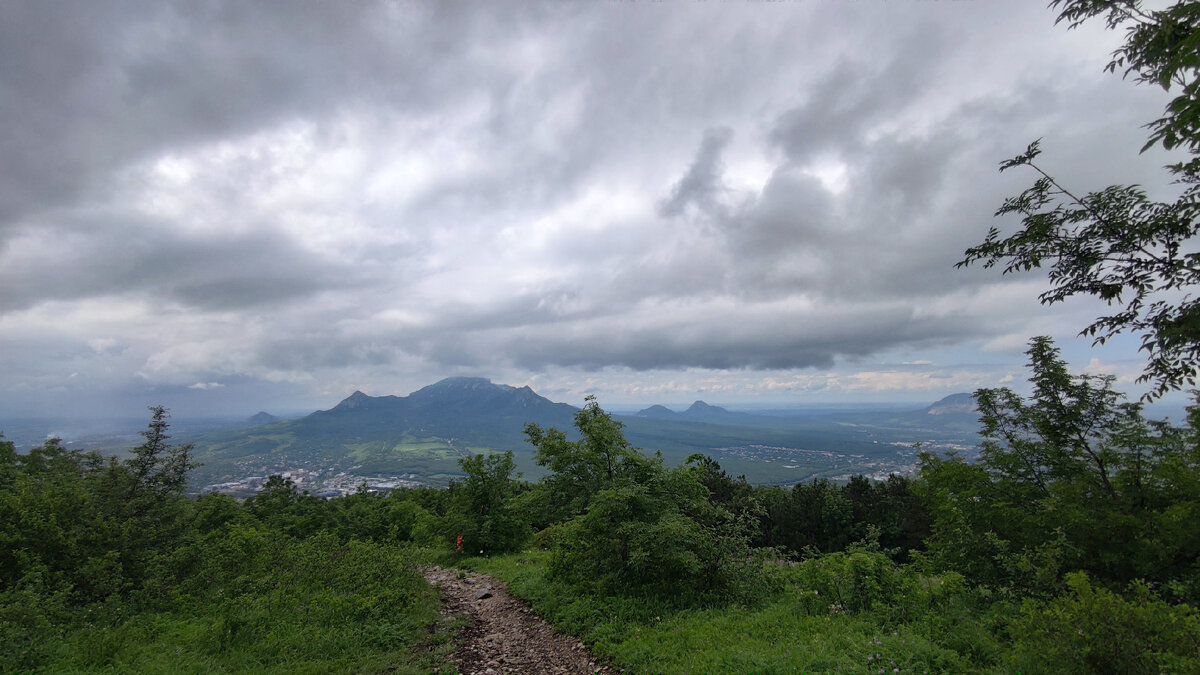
{"points": [[354, 400], [954, 403], [477, 395], [262, 418], [462, 382], [701, 409], [658, 412], [448, 403], [456, 386]]}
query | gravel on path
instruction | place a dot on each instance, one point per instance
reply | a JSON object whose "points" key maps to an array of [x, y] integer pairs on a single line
{"points": [[502, 634]]}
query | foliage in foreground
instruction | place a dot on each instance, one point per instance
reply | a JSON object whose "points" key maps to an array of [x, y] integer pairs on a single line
{"points": [[107, 567], [1075, 479], [258, 602], [1116, 244], [860, 612], [627, 524], [1067, 548]]}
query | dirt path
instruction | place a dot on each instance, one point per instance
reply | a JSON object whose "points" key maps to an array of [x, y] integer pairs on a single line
{"points": [[502, 634]]}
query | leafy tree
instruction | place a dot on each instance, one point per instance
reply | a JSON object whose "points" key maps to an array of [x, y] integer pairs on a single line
{"points": [[631, 524], [1073, 479], [483, 513], [284, 508], [8, 462], [735, 495], [809, 516], [214, 512], [159, 469], [892, 508], [89, 527], [1116, 244], [600, 459], [47, 529]]}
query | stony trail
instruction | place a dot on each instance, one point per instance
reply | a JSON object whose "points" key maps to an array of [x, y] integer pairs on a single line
{"points": [[502, 634]]}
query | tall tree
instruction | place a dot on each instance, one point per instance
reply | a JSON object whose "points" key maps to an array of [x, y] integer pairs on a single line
{"points": [[600, 459], [484, 515], [1074, 477], [1117, 244]]}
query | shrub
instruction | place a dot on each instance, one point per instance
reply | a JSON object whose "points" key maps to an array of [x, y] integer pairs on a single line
{"points": [[849, 582], [1094, 630]]}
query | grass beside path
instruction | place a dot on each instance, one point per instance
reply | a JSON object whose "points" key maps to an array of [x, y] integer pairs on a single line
{"points": [[784, 634], [313, 606]]}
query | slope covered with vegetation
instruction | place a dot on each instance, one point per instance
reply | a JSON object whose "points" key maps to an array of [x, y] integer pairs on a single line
{"points": [[1069, 547]]}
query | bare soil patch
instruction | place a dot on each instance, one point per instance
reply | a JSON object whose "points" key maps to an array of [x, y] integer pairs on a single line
{"points": [[502, 634]]}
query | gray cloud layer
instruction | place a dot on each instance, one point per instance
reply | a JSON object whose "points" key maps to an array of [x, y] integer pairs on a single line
{"points": [[326, 194]]}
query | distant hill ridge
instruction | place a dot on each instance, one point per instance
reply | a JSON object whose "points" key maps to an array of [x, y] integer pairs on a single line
{"points": [[698, 412], [448, 399], [262, 418], [954, 404], [426, 432]]}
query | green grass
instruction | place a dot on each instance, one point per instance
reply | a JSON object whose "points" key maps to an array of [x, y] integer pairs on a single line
{"points": [[784, 633], [315, 606]]}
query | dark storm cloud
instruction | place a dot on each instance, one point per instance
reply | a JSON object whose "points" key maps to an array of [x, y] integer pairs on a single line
{"points": [[700, 339], [132, 256]]}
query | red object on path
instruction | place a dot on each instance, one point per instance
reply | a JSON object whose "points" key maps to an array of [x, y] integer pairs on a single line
{"points": [[459, 548]]}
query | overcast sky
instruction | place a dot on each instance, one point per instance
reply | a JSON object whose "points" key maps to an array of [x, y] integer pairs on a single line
{"points": [[233, 206]]}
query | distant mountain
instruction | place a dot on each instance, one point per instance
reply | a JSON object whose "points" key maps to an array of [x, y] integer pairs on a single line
{"points": [[422, 436], [711, 414], [261, 419], [476, 395], [954, 404], [356, 400], [657, 412], [445, 407], [423, 433], [705, 413]]}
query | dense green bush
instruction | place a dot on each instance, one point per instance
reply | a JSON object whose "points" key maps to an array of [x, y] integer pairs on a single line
{"points": [[628, 525], [634, 540], [864, 580], [106, 566], [1094, 630]]}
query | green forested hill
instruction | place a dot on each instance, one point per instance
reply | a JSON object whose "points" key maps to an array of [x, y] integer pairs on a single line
{"points": [[423, 434]]}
